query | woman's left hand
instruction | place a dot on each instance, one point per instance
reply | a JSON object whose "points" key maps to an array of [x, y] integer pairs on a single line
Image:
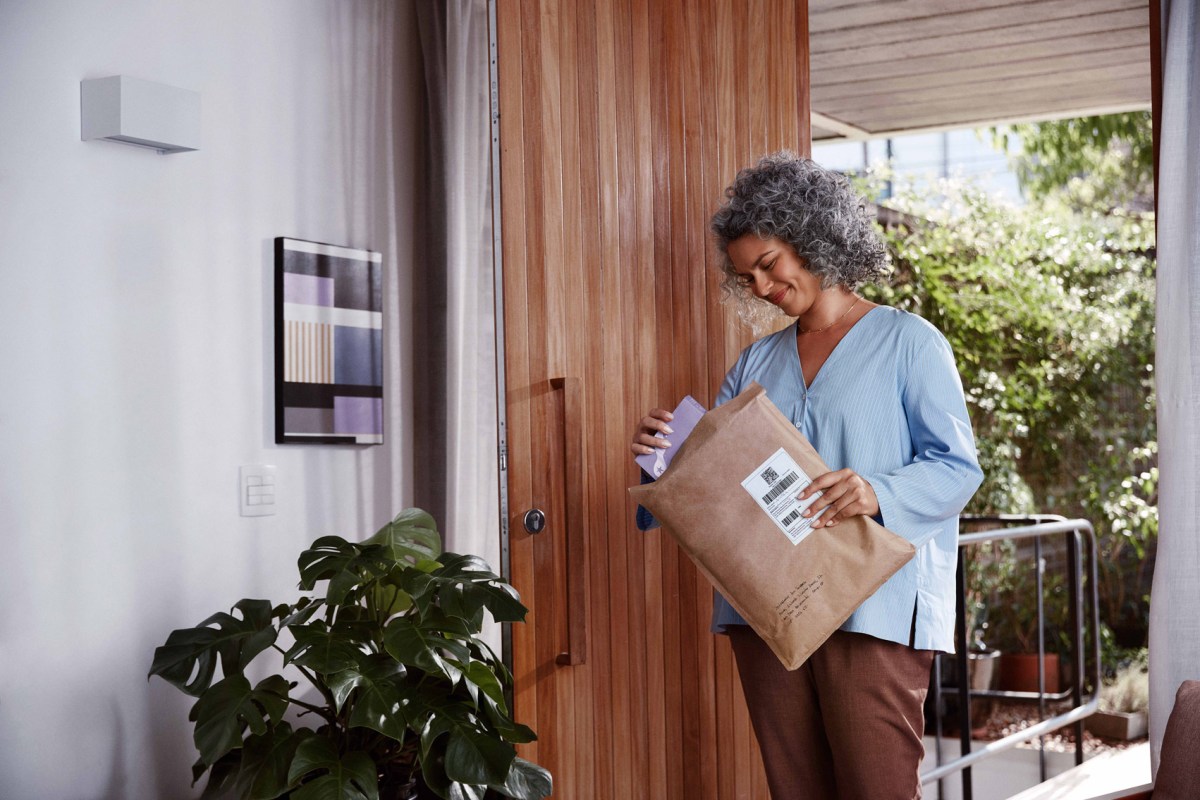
{"points": [[845, 494]]}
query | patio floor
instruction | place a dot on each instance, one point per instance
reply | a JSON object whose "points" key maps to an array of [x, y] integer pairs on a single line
{"points": [[1013, 774]]}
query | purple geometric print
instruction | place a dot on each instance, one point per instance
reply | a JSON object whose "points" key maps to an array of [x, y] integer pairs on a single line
{"points": [[357, 356], [307, 290], [357, 415], [328, 344], [308, 420]]}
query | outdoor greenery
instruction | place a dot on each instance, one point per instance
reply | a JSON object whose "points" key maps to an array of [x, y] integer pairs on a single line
{"points": [[1128, 691], [1050, 311], [401, 687], [1097, 163]]}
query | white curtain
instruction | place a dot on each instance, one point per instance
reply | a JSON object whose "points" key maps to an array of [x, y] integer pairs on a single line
{"points": [[456, 464], [1175, 600]]}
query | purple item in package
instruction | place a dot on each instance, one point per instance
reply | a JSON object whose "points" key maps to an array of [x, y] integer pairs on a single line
{"points": [[684, 418]]}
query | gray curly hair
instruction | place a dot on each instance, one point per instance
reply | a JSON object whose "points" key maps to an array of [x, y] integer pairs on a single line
{"points": [[812, 209]]}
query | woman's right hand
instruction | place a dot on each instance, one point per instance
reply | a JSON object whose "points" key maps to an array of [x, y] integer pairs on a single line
{"points": [[644, 441]]}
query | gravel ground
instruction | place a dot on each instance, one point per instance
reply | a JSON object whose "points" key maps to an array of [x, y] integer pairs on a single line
{"points": [[1003, 718]]}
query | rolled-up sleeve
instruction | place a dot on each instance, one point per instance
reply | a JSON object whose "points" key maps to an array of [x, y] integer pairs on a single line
{"points": [[944, 472]]}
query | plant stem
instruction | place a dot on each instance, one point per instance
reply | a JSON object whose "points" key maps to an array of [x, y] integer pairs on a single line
{"points": [[312, 678], [330, 718]]}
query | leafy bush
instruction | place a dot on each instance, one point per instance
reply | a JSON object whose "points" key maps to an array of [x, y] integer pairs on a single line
{"points": [[1129, 690], [1050, 312], [402, 687]]}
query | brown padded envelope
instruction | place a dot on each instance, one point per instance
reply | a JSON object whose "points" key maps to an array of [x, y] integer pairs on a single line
{"points": [[794, 596]]}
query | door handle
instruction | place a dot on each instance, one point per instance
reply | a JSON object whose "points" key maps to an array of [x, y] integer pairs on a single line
{"points": [[575, 538]]}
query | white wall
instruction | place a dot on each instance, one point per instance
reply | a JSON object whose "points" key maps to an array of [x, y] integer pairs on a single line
{"points": [[135, 350]]}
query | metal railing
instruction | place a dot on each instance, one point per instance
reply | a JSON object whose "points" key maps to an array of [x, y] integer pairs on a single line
{"points": [[1079, 536]]}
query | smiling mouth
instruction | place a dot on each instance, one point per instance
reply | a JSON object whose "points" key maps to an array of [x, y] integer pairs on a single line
{"points": [[775, 298]]}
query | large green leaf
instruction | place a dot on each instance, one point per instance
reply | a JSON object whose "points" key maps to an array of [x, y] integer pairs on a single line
{"points": [[433, 767], [188, 660], [229, 706], [410, 538], [344, 564], [388, 597], [245, 638], [421, 587], [464, 791], [480, 651], [525, 781], [353, 776], [447, 625], [358, 624], [465, 564], [491, 700], [411, 644], [221, 777], [468, 585], [266, 760], [323, 649], [475, 757], [379, 703], [481, 678], [341, 684], [439, 715], [468, 600], [512, 731], [299, 613]]}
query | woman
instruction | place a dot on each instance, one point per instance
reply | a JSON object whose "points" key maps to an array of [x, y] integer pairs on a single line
{"points": [[876, 391]]}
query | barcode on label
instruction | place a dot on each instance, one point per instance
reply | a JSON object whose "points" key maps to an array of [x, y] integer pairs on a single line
{"points": [[790, 518], [780, 487]]}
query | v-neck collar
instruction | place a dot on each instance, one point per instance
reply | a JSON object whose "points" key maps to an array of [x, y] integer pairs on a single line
{"points": [[795, 347]]}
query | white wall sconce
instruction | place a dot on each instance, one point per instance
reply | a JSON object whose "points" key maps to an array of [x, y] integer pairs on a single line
{"points": [[142, 113]]}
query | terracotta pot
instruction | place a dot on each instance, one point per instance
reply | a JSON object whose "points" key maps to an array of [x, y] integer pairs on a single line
{"points": [[1019, 672]]}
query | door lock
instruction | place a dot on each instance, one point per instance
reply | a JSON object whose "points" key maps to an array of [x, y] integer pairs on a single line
{"points": [[535, 520]]}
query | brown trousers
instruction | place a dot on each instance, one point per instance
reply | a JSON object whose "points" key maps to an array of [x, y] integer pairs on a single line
{"points": [[846, 725]]}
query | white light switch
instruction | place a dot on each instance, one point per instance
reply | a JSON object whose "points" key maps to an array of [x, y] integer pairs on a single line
{"points": [[257, 482]]}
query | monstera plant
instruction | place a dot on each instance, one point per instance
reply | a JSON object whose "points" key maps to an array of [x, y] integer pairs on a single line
{"points": [[386, 690]]}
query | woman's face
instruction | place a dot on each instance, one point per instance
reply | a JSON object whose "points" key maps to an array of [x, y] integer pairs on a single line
{"points": [[770, 269]]}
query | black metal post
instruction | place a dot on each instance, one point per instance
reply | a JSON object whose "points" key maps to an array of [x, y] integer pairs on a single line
{"points": [[964, 684], [1075, 583], [1041, 651], [938, 710]]}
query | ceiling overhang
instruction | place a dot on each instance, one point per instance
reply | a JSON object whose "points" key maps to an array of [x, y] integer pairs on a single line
{"points": [[884, 68]]}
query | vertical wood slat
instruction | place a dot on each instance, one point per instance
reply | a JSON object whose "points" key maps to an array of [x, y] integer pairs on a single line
{"points": [[510, 77], [599, 725], [571, 127], [621, 123], [663, 697], [614, 344]]}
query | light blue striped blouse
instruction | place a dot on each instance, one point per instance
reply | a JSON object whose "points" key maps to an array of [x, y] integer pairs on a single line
{"points": [[887, 403]]}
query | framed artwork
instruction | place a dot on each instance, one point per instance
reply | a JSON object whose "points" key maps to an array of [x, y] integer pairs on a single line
{"points": [[328, 344]]}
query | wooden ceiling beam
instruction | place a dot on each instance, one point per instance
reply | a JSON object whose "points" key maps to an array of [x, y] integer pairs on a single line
{"points": [[836, 127], [1019, 40], [983, 93], [998, 59], [834, 17], [990, 122], [1068, 13], [1112, 99]]}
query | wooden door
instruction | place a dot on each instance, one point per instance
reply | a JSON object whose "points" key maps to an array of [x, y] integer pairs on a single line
{"points": [[621, 121]]}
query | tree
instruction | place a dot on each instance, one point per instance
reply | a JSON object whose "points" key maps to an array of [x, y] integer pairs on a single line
{"points": [[1091, 163]]}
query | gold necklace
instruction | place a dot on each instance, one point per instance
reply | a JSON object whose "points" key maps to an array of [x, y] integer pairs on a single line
{"points": [[800, 331]]}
